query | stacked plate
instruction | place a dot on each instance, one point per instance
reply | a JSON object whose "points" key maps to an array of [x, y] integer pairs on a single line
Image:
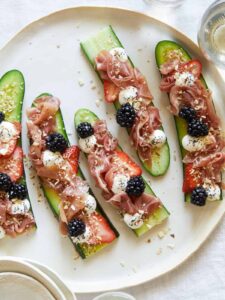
{"points": [[30, 280]]}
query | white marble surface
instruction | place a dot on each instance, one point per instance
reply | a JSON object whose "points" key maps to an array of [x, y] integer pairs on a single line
{"points": [[203, 275]]}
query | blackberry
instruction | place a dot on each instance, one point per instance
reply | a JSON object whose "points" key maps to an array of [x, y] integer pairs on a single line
{"points": [[198, 196], [125, 116], [197, 128], [187, 113], [85, 130], [135, 186], [76, 227], [18, 191], [56, 142], [2, 116], [5, 182]]}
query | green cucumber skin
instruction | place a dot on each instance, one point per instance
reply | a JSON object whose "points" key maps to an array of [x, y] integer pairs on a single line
{"points": [[17, 78], [181, 125], [85, 115], [107, 39], [54, 200]]}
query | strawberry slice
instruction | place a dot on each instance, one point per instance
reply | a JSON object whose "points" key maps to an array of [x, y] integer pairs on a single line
{"points": [[72, 156], [111, 91], [123, 161], [190, 179], [13, 165], [102, 229], [192, 66]]}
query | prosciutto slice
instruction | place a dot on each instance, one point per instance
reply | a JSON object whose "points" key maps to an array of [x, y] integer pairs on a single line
{"points": [[146, 122], [45, 108], [99, 164], [121, 74], [145, 204], [70, 188], [210, 160], [104, 137]]}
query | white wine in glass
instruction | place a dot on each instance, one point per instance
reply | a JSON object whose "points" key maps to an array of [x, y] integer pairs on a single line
{"points": [[211, 35]]}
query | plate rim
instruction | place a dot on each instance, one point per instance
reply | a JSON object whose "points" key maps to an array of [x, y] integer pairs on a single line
{"points": [[195, 248]]}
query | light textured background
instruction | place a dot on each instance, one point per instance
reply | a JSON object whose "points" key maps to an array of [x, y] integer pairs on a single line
{"points": [[202, 277]]}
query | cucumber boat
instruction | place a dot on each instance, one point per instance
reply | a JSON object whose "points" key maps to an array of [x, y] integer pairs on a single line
{"points": [[155, 159], [84, 247], [164, 52], [85, 116], [16, 215]]}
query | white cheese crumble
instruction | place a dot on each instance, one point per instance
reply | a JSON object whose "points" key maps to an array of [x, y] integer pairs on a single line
{"points": [[51, 159], [119, 53], [133, 221], [157, 138], [119, 183], [90, 203], [88, 143], [20, 207], [7, 131], [82, 238], [213, 191], [128, 94], [2, 232], [193, 144], [184, 79]]}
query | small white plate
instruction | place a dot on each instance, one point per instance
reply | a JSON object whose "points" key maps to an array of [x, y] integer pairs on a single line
{"points": [[14, 265], [18, 286], [56, 278]]}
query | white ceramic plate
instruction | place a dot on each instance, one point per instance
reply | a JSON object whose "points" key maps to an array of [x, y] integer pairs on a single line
{"points": [[48, 53], [69, 295], [25, 273], [18, 286]]}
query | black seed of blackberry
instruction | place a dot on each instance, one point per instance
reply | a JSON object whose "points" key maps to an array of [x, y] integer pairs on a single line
{"points": [[18, 191], [135, 186], [2, 116], [5, 182], [197, 128], [187, 113], [198, 196], [125, 116], [76, 227], [56, 142], [85, 130]]}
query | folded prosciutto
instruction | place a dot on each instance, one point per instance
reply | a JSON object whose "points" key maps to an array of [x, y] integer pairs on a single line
{"points": [[56, 163], [203, 142], [116, 174], [125, 84]]}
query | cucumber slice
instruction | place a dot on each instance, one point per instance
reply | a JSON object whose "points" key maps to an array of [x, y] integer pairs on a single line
{"points": [[53, 198], [85, 115], [106, 39], [161, 54], [12, 88]]}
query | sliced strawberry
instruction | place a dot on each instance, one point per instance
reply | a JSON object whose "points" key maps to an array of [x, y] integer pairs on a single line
{"points": [[122, 160], [102, 229], [72, 156], [13, 165], [111, 91], [190, 179], [192, 66]]}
